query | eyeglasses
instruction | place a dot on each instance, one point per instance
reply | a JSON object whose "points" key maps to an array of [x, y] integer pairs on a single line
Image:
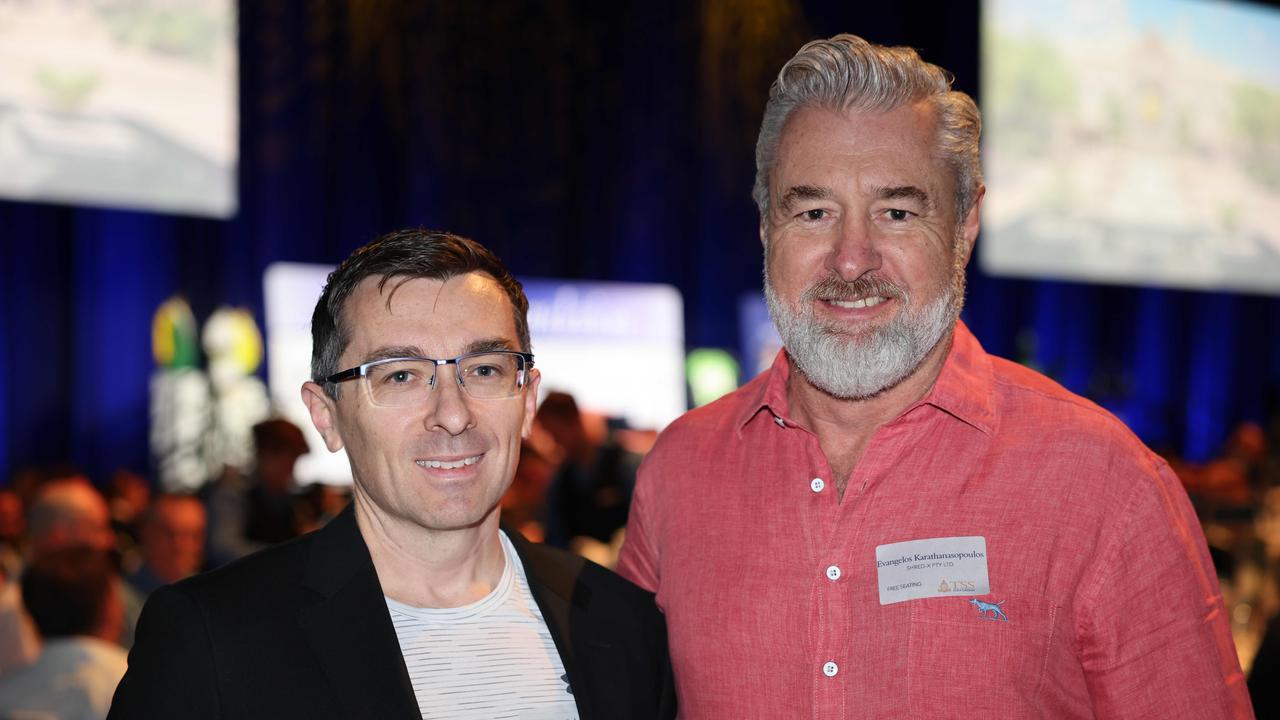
{"points": [[407, 381]]}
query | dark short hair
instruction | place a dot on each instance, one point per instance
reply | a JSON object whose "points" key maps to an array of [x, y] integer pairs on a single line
{"points": [[277, 435], [403, 255], [66, 590], [559, 406]]}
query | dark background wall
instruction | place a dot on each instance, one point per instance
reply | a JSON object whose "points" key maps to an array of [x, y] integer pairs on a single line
{"points": [[578, 140]]}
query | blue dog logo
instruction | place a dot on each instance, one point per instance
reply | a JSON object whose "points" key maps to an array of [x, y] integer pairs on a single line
{"points": [[993, 608]]}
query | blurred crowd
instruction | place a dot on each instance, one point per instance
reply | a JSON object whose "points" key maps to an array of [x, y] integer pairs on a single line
{"points": [[78, 558], [1237, 498]]}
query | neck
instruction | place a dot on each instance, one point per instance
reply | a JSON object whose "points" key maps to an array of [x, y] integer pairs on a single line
{"points": [[431, 568], [845, 426]]}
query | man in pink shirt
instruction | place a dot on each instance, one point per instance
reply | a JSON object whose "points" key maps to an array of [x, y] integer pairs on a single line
{"points": [[890, 522]]}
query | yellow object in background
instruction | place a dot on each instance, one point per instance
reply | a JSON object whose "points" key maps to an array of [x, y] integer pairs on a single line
{"points": [[173, 335]]}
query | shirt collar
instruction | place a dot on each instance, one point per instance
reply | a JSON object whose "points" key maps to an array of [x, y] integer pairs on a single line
{"points": [[767, 393], [963, 390]]}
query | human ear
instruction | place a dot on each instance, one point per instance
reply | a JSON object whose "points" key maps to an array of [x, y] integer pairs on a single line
{"points": [[972, 223], [533, 379], [323, 414]]}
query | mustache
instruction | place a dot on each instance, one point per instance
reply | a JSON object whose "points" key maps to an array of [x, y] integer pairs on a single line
{"points": [[833, 288]]}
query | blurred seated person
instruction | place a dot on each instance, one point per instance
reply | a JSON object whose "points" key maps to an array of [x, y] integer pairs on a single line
{"points": [[172, 538], [13, 524], [19, 643], [590, 492], [524, 503], [1231, 479], [249, 514], [64, 512], [13, 528], [128, 497], [70, 594], [319, 503]]}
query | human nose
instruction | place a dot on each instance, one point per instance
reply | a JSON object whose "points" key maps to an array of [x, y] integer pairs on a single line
{"points": [[447, 407], [855, 250]]}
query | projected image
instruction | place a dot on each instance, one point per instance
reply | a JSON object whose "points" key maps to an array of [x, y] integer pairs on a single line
{"points": [[123, 103], [1133, 142]]}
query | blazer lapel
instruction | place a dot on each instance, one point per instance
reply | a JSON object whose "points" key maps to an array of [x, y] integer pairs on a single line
{"points": [[350, 628], [589, 659]]}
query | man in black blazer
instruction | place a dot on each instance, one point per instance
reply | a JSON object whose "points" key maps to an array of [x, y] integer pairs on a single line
{"points": [[412, 602]]}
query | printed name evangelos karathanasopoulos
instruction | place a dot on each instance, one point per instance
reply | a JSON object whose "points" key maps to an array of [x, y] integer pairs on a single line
{"points": [[930, 556], [932, 567]]}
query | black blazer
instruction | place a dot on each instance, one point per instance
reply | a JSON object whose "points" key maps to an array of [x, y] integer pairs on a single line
{"points": [[302, 631]]}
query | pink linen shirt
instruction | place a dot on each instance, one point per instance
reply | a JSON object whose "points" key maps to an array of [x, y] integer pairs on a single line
{"points": [[769, 580]]}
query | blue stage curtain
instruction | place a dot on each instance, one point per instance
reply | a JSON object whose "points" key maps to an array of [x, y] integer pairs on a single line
{"points": [[578, 140]]}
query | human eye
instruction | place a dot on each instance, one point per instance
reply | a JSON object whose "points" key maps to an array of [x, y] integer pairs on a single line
{"points": [[396, 373], [898, 214], [496, 370], [488, 369], [814, 215]]}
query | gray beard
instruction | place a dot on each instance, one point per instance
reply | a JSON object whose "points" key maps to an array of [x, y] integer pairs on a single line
{"points": [[856, 367]]}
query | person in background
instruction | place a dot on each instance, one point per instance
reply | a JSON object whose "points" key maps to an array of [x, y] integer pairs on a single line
{"points": [[172, 537], [128, 497], [13, 523], [249, 514], [524, 503], [19, 643], [889, 522], [412, 602], [64, 512], [70, 593], [68, 511], [318, 503], [590, 491]]}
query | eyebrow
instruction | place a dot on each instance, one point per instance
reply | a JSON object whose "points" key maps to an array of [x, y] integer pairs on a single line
{"points": [[489, 344], [803, 192], [904, 192], [387, 352]]}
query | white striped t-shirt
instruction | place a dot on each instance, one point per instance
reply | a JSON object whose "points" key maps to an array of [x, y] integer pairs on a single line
{"points": [[493, 658]]}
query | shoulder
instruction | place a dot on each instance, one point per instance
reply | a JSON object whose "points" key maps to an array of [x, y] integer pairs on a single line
{"points": [[577, 578], [1029, 399], [274, 567], [248, 595], [1080, 454], [712, 424]]}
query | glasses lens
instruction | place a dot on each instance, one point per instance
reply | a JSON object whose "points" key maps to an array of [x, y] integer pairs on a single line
{"points": [[491, 375], [399, 383]]}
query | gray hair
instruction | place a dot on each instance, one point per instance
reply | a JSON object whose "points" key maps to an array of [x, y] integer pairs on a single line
{"points": [[847, 73]]}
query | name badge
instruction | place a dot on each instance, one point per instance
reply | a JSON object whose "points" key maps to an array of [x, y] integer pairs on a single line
{"points": [[934, 567]]}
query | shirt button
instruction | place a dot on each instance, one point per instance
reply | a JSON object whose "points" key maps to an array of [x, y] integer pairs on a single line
{"points": [[817, 485], [781, 423], [833, 573], [830, 669]]}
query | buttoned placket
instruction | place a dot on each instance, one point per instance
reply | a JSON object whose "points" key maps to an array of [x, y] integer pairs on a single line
{"points": [[829, 622]]}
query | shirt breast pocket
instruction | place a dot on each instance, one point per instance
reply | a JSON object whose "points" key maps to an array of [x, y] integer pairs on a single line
{"points": [[970, 657]]}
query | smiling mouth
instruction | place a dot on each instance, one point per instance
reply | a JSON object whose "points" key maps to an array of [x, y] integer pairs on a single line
{"points": [[449, 464], [865, 302]]}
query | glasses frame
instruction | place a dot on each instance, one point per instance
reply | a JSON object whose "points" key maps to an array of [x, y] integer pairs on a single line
{"points": [[362, 371]]}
